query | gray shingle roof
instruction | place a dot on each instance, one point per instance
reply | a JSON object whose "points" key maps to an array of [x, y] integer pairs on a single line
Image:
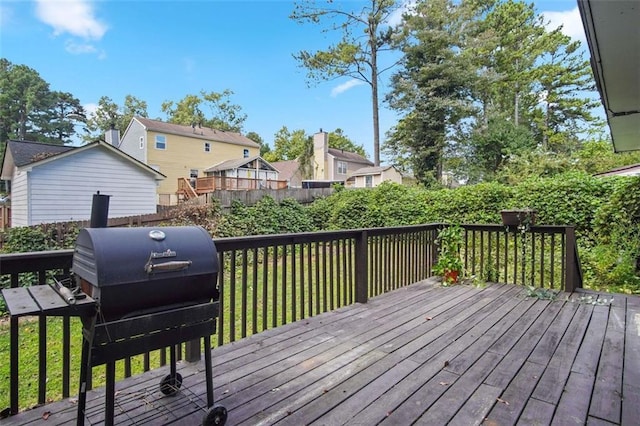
{"points": [[26, 152], [370, 170], [204, 133], [351, 157], [286, 168]]}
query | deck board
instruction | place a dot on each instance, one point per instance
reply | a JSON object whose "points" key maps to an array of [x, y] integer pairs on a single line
{"points": [[631, 371], [551, 384], [423, 354], [606, 401]]}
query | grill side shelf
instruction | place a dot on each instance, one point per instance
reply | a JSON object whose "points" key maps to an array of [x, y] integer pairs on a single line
{"points": [[20, 302], [43, 300]]}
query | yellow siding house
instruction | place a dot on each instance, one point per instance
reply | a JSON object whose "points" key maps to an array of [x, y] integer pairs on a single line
{"points": [[179, 151]]}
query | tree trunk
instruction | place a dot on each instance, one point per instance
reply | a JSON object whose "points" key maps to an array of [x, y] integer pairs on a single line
{"points": [[516, 118], [374, 99], [22, 126], [545, 131], [516, 101]]}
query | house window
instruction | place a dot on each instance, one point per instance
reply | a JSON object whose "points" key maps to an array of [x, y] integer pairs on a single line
{"points": [[342, 168], [368, 181], [161, 142], [141, 142], [245, 153], [207, 147]]}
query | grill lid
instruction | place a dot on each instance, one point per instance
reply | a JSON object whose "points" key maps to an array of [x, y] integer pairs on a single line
{"points": [[114, 256]]}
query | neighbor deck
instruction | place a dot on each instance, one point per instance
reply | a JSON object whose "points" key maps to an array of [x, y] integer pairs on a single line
{"points": [[422, 354]]}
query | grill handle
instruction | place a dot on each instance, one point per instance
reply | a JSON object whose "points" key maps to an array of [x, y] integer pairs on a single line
{"points": [[174, 265]]}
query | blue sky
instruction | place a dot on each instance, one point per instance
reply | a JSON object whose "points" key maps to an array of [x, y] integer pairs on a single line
{"points": [[164, 50]]}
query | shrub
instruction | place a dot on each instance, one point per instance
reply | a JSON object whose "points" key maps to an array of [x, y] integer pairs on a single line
{"points": [[265, 217], [568, 199], [391, 204], [468, 204], [350, 210]]}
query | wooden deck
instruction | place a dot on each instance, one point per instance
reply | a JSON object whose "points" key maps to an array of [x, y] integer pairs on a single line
{"points": [[423, 354]]}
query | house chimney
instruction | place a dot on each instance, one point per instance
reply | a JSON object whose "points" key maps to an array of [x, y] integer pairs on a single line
{"points": [[320, 151], [112, 136]]}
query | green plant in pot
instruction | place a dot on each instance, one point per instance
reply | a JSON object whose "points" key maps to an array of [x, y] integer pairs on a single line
{"points": [[449, 265]]}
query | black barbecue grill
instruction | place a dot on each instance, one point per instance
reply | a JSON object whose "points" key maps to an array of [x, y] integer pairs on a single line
{"points": [[154, 288]]}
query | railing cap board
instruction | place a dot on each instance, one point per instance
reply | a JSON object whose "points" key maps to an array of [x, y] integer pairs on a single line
{"points": [[256, 241], [13, 263]]}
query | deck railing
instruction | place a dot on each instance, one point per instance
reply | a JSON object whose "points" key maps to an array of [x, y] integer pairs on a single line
{"points": [[267, 281], [207, 184]]}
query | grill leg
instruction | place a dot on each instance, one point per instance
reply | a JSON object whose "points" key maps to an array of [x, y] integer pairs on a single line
{"points": [[172, 357], [207, 370], [171, 383], [85, 370], [110, 393]]}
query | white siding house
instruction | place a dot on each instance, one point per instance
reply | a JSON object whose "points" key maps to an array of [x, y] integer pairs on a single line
{"points": [[58, 187], [369, 177]]}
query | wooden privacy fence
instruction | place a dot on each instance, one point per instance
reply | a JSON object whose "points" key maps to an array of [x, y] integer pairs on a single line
{"points": [[5, 217], [270, 280]]}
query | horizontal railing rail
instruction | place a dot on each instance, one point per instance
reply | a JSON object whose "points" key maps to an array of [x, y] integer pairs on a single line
{"points": [[270, 280], [203, 185]]}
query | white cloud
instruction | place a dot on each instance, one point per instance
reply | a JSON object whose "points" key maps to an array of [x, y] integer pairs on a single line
{"points": [[79, 48], [90, 109], [345, 86], [396, 17], [76, 17], [570, 21]]}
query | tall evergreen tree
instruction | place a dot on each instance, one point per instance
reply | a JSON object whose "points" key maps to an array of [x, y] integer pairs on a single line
{"points": [[432, 87], [29, 110], [564, 110], [517, 37], [57, 123], [24, 95], [355, 56]]}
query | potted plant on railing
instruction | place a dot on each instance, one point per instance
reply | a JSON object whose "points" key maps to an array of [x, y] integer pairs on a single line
{"points": [[520, 221], [449, 264], [519, 218]]}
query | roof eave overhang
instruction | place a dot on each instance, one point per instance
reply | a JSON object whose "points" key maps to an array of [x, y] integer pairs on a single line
{"points": [[613, 37]]}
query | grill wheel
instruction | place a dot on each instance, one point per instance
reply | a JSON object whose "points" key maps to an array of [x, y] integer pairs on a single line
{"points": [[170, 385], [216, 416]]}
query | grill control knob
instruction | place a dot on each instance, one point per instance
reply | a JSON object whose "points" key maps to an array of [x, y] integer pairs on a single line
{"points": [[157, 235]]}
